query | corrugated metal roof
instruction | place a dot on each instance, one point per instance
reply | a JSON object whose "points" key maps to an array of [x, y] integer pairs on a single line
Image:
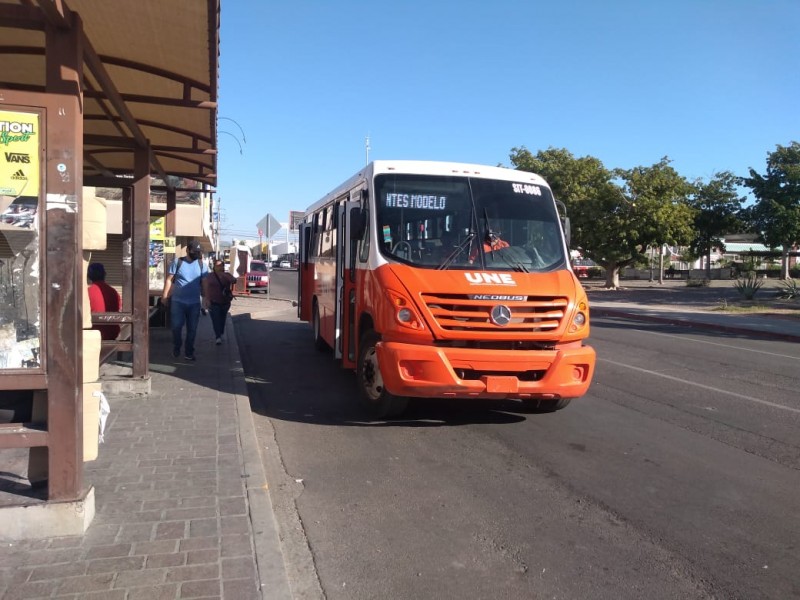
{"points": [[740, 248]]}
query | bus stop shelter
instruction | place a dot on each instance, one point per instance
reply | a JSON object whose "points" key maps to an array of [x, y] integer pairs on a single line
{"points": [[92, 93]]}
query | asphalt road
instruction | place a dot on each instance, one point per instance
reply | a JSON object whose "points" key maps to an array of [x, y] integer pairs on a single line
{"points": [[675, 477]]}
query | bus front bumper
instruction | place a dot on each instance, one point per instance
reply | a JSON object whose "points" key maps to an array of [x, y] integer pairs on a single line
{"points": [[432, 372]]}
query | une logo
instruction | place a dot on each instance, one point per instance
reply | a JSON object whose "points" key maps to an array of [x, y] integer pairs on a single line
{"points": [[494, 278]]}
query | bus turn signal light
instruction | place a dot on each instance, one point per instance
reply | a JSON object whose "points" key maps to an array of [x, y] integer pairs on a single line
{"points": [[404, 314]]}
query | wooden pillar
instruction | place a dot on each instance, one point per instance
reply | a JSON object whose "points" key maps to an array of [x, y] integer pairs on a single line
{"points": [[62, 262], [140, 217], [127, 248]]}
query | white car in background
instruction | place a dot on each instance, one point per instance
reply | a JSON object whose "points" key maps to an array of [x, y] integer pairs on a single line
{"points": [[285, 264]]}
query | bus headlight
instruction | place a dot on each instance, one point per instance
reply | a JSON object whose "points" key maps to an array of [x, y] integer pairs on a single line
{"points": [[404, 314], [580, 318]]}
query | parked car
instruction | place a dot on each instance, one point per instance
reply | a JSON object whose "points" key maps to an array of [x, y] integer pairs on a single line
{"points": [[285, 264], [258, 276]]}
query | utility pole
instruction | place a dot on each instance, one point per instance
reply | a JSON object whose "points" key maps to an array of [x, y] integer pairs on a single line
{"points": [[216, 232], [366, 148]]}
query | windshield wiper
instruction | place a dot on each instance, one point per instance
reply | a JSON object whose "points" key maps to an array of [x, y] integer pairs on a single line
{"points": [[489, 236], [463, 245], [516, 265]]}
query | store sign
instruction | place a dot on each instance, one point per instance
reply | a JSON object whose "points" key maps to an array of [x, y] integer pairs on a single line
{"points": [[19, 153]]}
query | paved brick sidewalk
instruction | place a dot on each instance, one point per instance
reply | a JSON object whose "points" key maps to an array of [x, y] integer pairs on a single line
{"points": [[176, 488]]}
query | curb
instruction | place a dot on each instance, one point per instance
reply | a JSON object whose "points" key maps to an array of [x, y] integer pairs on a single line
{"points": [[613, 312], [272, 575]]}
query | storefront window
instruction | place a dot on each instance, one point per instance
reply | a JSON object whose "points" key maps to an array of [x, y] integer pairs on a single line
{"points": [[20, 310]]}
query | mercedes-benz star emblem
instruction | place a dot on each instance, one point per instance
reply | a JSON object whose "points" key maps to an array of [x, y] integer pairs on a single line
{"points": [[501, 315]]}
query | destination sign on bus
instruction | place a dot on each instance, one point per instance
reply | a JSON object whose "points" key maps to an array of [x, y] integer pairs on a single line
{"points": [[421, 201]]}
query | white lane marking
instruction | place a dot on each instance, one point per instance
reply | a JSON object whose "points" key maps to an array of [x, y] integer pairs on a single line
{"points": [[727, 346], [700, 385]]}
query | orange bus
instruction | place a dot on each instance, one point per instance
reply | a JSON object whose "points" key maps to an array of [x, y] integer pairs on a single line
{"points": [[437, 280]]}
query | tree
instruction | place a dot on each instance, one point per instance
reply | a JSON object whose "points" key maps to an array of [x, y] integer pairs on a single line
{"points": [[775, 216], [663, 214], [600, 216], [717, 205], [616, 214]]}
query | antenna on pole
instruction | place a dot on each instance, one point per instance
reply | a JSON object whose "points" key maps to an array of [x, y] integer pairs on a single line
{"points": [[237, 124], [366, 148], [234, 137]]}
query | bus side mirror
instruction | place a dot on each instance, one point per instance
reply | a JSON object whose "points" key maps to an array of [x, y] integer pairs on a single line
{"points": [[358, 223], [562, 214]]}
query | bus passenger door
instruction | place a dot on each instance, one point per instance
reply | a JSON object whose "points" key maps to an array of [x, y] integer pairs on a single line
{"points": [[305, 273], [345, 283]]}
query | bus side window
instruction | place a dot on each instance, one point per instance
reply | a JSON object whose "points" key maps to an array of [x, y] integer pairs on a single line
{"points": [[363, 253], [333, 230], [317, 235]]}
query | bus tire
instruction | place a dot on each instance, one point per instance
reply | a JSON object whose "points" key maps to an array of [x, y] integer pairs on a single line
{"points": [[373, 397], [319, 343], [545, 406]]}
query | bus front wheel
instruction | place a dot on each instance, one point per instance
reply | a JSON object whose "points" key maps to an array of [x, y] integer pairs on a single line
{"points": [[374, 398]]}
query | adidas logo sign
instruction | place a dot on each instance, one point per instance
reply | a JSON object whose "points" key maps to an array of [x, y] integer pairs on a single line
{"points": [[19, 175]]}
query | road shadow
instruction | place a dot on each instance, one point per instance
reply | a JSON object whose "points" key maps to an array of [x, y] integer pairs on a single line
{"points": [[288, 379]]}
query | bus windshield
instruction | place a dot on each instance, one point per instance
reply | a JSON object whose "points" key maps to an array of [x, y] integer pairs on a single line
{"points": [[440, 222]]}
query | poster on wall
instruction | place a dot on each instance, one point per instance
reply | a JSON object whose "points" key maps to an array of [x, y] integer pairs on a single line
{"points": [[155, 260], [20, 319]]}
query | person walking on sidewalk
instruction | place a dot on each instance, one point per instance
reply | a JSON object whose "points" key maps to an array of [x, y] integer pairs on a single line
{"points": [[182, 291], [218, 294]]}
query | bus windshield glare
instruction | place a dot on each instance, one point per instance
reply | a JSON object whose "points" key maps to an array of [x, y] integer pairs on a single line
{"points": [[462, 222]]}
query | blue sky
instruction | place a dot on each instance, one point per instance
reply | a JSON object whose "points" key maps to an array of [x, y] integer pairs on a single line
{"points": [[713, 84]]}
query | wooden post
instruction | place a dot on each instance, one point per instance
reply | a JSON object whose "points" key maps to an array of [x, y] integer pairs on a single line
{"points": [[140, 253], [62, 261]]}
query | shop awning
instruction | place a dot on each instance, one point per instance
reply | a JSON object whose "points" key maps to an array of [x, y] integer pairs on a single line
{"points": [[151, 74]]}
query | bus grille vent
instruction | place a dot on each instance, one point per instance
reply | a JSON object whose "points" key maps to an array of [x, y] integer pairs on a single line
{"points": [[457, 312]]}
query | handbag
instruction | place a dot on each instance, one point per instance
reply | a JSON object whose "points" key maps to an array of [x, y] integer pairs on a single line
{"points": [[227, 293]]}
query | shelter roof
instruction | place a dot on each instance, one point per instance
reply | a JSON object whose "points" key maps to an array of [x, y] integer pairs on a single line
{"points": [[749, 247], [150, 73]]}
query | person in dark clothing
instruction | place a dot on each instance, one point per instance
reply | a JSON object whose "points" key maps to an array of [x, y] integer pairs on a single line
{"points": [[102, 298], [218, 294], [182, 291]]}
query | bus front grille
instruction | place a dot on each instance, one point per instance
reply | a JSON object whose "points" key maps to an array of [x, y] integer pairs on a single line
{"points": [[458, 312]]}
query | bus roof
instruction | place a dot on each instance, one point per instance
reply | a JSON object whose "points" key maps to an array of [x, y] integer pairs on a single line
{"points": [[428, 167]]}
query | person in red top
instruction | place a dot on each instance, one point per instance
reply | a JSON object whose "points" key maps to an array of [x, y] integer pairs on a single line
{"points": [[492, 243], [102, 298]]}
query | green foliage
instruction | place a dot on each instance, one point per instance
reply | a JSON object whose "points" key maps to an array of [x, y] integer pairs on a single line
{"points": [[614, 223], [659, 196], [790, 290], [717, 205], [776, 214], [748, 285], [702, 282]]}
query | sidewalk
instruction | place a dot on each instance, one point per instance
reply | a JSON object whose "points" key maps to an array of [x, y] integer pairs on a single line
{"points": [[182, 507], [699, 308]]}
